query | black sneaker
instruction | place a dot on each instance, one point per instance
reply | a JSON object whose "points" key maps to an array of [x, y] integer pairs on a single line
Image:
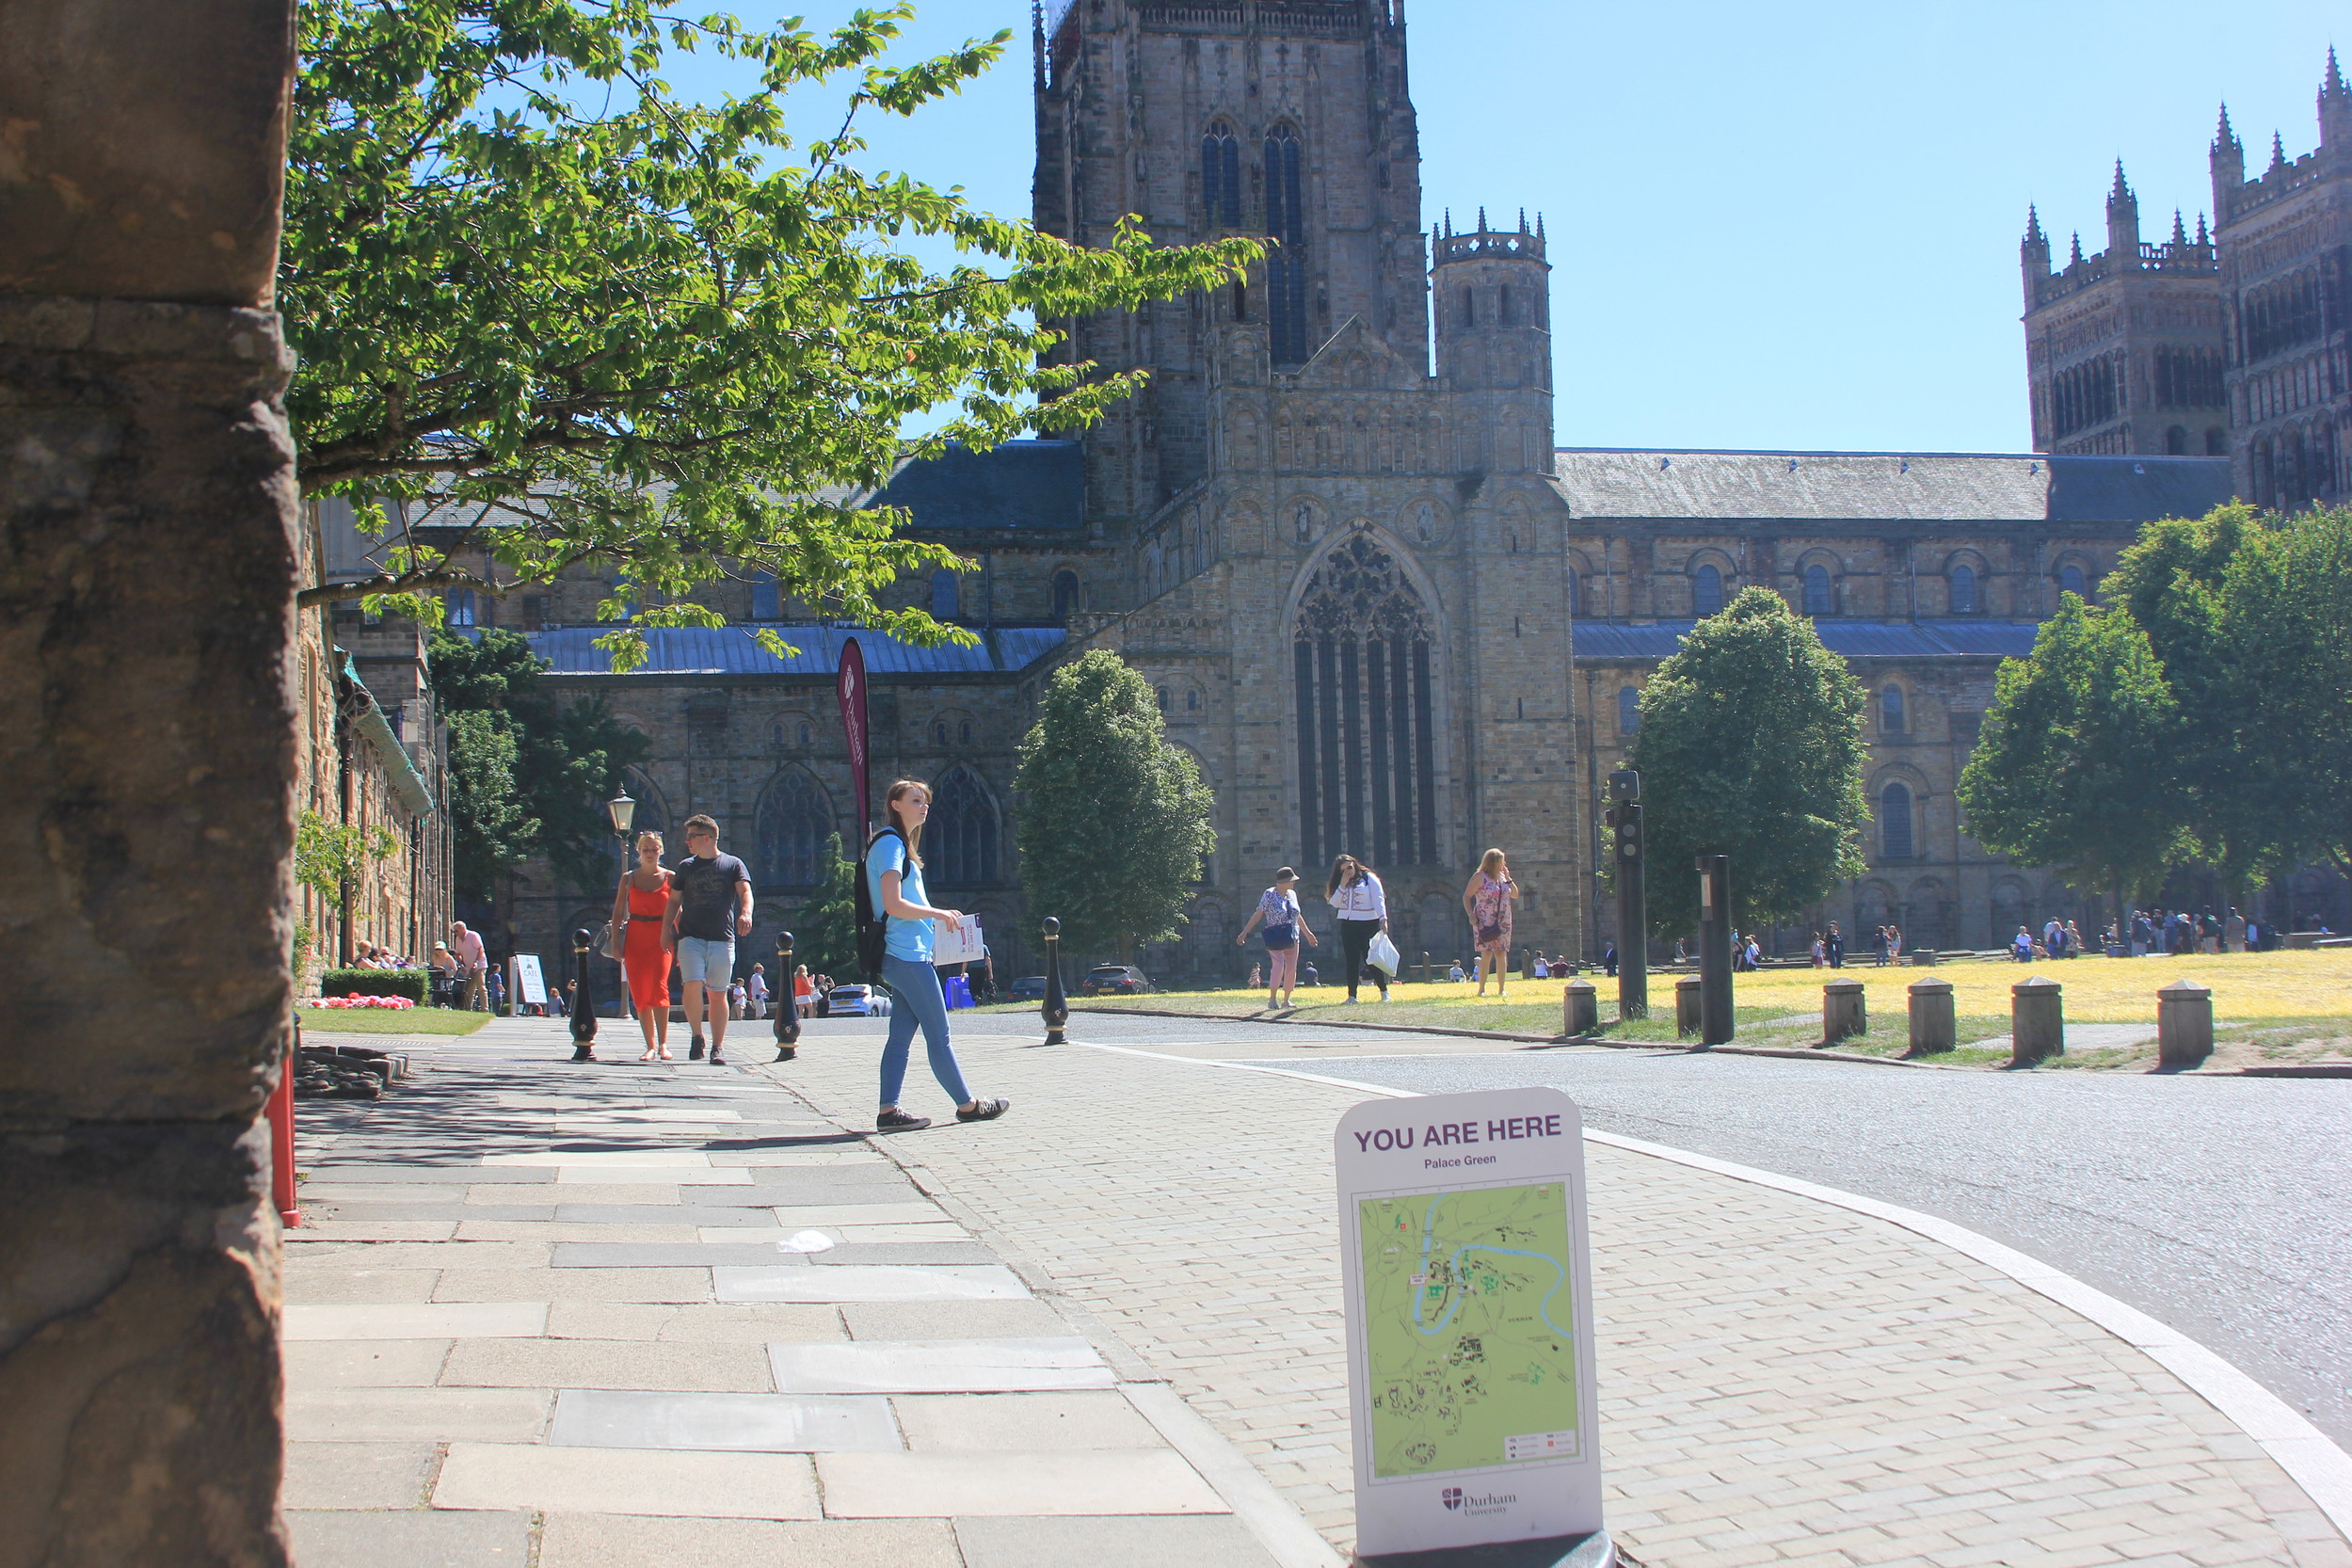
{"points": [[984, 1110], [693, 1053], [899, 1121]]}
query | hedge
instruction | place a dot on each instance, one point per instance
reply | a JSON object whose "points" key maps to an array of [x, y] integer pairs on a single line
{"points": [[413, 983]]}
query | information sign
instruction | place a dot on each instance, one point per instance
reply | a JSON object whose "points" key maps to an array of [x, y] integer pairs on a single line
{"points": [[1469, 1314], [530, 987]]}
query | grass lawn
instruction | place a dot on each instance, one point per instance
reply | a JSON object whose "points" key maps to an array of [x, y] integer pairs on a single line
{"points": [[369, 1020]]}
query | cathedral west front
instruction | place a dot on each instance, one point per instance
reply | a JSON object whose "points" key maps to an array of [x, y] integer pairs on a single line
{"points": [[1387, 608]]}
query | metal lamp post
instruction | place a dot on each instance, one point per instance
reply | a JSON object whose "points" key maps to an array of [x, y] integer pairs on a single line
{"points": [[1057, 1004], [584, 1002], [786, 1000], [623, 811]]}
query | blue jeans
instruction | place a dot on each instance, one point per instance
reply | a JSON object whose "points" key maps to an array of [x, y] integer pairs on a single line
{"points": [[916, 998]]}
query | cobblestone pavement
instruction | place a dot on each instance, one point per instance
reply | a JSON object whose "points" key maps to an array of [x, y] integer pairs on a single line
{"points": [[548, 1315], [1783, 1381]]}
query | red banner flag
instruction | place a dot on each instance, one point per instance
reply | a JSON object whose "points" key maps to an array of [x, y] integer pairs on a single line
{"points": [[849, 684]]}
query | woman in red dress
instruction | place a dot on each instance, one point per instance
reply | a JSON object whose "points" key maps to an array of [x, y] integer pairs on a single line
{"points": [[641, 901]]}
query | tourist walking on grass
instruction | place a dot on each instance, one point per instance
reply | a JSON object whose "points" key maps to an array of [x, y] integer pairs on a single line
{"points": [[894, 874], [1285, 927], [1487, 901], [709, 906], [1357, 898]]}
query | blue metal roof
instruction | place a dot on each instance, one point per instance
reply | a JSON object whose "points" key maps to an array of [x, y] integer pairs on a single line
{"points": [[731, 651], [1851, 639], [1029, 486]]}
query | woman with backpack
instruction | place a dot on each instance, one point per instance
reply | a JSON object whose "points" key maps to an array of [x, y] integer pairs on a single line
{"points": [[895, 909], [1278, 911]]}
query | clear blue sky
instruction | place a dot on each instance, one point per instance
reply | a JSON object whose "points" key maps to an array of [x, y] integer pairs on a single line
{"points": [[1770, 226]]}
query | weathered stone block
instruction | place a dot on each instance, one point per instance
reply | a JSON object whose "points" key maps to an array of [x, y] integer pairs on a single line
{"points": [[2184, 1024], [1844, 1011], [2037, 1021], [1933, 1027]]}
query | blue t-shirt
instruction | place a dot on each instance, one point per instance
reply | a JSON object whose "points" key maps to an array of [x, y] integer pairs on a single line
{"points": [[907, 939]]}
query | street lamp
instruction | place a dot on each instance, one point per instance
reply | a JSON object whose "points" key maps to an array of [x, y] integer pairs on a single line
{"points": [[623, 811]]}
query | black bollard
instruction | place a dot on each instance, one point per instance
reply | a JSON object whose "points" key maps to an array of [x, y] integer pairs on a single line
{"points": [[1057, 1005], [1633, 902], [787, 1000], [1716, 1025], [583, 1003]]}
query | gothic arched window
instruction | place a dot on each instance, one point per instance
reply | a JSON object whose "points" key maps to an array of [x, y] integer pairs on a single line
{"points": [[1894, 822], [1820, 599], [1066, 594], [1221, 177], [1892, 720], [767, 603], [1628, 710], [457, 606], [944, 595], [960, 840], [1367, 736], [1963, 590], [1286, 268], [794, 821], [1706, 591]]}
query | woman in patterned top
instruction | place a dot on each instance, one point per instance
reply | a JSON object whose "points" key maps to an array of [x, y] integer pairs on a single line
{"points": [[1487, 901], [1278, 911]]}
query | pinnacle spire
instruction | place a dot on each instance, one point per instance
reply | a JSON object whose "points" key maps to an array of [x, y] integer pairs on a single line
{"points": [[2180, 233], [2076, 257], [1523, 221], [2278, 151], [2334, 86], [2122, 190], [1538, 226], [2202, 239], [2224, 137], [1481, 219], [2033, 227]]}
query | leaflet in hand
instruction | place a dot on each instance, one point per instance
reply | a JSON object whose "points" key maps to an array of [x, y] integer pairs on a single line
{"points": [[962, 946]]}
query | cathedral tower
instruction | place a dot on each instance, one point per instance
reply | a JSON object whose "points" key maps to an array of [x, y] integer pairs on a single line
{"points": [[1286, 119], [1491, 293]]}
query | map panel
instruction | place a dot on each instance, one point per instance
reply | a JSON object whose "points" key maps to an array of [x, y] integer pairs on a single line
{"points": [[1469, 1320]]}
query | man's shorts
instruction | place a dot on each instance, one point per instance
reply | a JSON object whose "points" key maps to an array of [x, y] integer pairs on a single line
{"points": [[711, 961]]}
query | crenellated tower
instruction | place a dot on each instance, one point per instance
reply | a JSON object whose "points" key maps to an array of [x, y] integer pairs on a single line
{"points": [[1491, 291]]}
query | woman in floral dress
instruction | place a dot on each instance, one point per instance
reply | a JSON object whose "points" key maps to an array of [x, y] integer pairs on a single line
{"points": [[1487, 901]]}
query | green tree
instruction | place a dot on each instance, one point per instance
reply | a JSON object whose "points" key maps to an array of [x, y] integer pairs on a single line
{"points": [[2071, 768], [1750, 746], [1115, 819], [329, 858], [2286, 622], [824, 928], [589, 325], [528, 777]]}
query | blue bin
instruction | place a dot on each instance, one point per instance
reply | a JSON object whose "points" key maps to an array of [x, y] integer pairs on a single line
{"points": [[959, 992]]}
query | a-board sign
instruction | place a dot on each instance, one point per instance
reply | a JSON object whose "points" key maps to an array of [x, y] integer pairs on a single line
{"points": [[1469, 1317], [530, 987]]}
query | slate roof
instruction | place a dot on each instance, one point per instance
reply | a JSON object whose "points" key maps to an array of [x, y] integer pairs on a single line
{"points": [[1871, 486], [730, 650], [1851, 639], [1026, 486]]}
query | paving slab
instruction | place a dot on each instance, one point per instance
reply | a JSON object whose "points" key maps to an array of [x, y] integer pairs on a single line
{"points": [[364, 1362], [374, 1228], [968, 1283], [573, 1284], [580, 1158], [356, 1474], [468, 1175], [560, 1230], [417, 1255], [417, 1320], [330, 1287], [627, 1540], [1039, 1423], [419, 1538], [1019, 1319], [450, 1205], [650, 1176], [939, 1365], [416, 1415], [607, 1364], [919, 1485], [705, 1322], [1204, 1541], [628, 1481], [846, 1253], [887, 1213], [719, 1207], [681, 1254], [771, 1423]]}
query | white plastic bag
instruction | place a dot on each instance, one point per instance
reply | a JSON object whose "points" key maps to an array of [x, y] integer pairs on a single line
{"points": [[1382, 955]]}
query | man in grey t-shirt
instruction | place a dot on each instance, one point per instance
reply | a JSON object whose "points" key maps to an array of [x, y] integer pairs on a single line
{"points": [[709, 907]]}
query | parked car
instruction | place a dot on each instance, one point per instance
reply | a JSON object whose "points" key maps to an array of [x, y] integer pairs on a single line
{"points": [[1029, 988], [1113, 980], [851, 1002]]}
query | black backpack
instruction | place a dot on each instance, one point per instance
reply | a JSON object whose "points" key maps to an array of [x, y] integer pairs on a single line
{"points": [[873, 929]]}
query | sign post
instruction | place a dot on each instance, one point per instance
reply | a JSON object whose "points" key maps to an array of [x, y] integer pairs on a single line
{"points": [[1469, 1317], [849, 686], [1633, 897], [527, 986], [1716, 1025]]}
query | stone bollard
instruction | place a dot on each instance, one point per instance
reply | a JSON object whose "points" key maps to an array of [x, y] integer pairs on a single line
{"points": [[1843, 1011], [1580, 1008], [1686, 1004], [2184, 1024], [1932, 1026], [2036, 1022], [1922, 958]]}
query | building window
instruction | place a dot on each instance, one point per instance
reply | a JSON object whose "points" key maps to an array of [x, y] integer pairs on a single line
{"points": [[1819, 599], [1286, 268], [1193, 701], [534, 612], [940, 732], [1891, 719], [960, 840], [2216, 443], [1066, 594], [1221, 177], [458, 604], [767, 602], [1963, 590], [803, 734], [1364, 694], [1629, 710], [792, 825], [1161, 694], [964, 732], [945, 596], [1894, 822], [1706, 591], [2070, 581]]}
